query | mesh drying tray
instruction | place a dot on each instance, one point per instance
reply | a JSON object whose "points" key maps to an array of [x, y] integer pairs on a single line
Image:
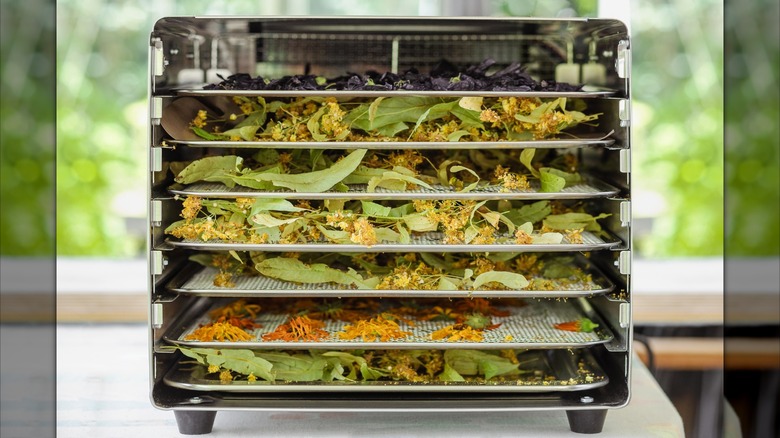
{"points": [[423, 242], [590, 189], [587, 91], [552, 371], [527, 326], [200, 281], [577, 141]]}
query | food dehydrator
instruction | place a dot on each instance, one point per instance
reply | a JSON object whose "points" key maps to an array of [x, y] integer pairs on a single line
{"points": [[584, 373]]}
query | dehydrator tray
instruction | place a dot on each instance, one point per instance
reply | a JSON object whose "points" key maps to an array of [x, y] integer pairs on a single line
{"points": [[423, 242], [581, 140], [591, 188], [588, 91], [546, 371], [529, 325], [200, 281]]}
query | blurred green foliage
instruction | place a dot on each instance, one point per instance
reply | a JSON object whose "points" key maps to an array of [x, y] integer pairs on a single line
{"points": [[752, 128], [677, 84], [101, 139], [27, 134]]}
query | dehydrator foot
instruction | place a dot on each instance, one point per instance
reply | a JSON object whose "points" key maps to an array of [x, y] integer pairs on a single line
{"points": [[586, 421], [195, 422]]}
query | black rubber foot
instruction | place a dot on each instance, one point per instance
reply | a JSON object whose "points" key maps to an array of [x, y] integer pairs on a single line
{"points": [[587, 421], [195, 422]]}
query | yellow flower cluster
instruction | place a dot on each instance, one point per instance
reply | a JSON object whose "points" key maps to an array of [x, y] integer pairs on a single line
{"points": [[405, 277], [511, 180], [457, 332], [409, 159], [192, 206], [452, 216], [379, 328], [331, 122], [219, 331], [363, 232], [200, 120], [523, 238]]}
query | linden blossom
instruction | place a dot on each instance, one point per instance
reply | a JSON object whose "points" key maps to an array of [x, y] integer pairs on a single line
{"points": [[429, 119], [317, 171], [408, 272], [366, 223], [514, 367]]}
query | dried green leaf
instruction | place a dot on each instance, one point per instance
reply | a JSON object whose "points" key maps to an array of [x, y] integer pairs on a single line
{"points": [[204, 168], [294, 270], [574, 221], [508, 279]]}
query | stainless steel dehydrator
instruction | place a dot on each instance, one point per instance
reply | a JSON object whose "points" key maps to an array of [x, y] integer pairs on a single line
{"points": [[276, 63]]}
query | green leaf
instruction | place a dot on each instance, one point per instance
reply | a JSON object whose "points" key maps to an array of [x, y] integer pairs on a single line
{"points": [[295, 367], [266, 220], [394, 180], [242, 361], [471, 103], [571, 178], [200, 132], [254, 119], [508, 279], [419, 122], [475, 362], [470, 187], [456, 136], [393, 111], [574, 221], [247, 132], [372, 209], [314, 126], [369, 373], [548, 239], [362, 175], [526, 156], [447, 284], [271, 204], [293, 270], [203, 168], [386, 235], [312, 182], [435, 261], [550, 182], [420, 222], [468, 118], [450, 375], [193, 355], [533, 213], [266, 156]]}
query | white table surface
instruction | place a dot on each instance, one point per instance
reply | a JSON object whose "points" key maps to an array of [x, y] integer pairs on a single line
{"points": [[103, 391]]}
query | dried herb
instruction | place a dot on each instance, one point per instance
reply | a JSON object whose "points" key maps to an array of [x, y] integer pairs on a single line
{"points": [[442, 77], [413, 118], [457, 332], [219, 331], [380, 328], [581, 325], [428, 272], [474, 362], [298, 328]]}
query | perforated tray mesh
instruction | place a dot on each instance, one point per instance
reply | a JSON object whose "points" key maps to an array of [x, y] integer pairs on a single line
{"points": [[552, 370], [202, 283], [359, 191], [422, 242], [581, 140], [528, 326]]}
